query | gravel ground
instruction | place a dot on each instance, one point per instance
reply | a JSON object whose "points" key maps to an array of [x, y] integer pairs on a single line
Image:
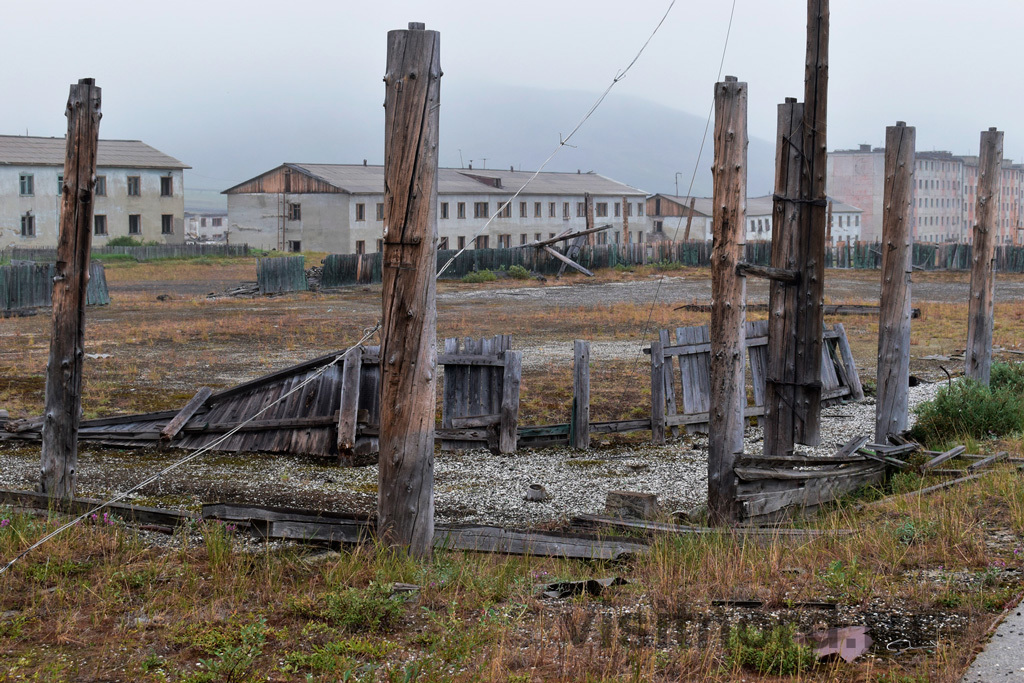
{"points": [[471, 486]]}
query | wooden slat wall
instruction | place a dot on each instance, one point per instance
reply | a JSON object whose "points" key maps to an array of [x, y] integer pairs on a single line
{"points": [[30, 285], [282, 274]]}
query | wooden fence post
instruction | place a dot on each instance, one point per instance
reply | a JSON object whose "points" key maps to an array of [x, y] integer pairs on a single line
{"points": [[408, 354], [581, 394], [59, 466], [978, 357], [657, 393], [625, 220], [897, 258], [728, 297], [510, 381], [348, 410]]}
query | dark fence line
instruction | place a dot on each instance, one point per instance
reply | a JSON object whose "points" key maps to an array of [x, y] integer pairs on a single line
{"points": [[30, 285], [148, 253], [281, 274], [348, 269]]}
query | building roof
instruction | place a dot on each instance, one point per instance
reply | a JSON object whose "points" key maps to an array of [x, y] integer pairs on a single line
{"points": [[702, 206], [369, 179], [756, 206], [23, 150]]}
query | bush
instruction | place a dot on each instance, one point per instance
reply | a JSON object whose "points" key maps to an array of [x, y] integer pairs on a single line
{"points": [[358, 610], [124, 241], [517, 272], [1008, 377], [479, 276], [772, 653], [968, 408]]}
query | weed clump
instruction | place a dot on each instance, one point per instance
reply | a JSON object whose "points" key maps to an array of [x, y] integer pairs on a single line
{"points": [[479, 276], [772, 653], [968, 408], [357, 610], [517, 272]]}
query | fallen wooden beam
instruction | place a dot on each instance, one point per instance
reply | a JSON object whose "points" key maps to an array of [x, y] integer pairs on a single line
{"points": [[943, 457], [77, 506], [568, 261], [185, 414], [926, 490], [655, 528], [564, 236], [990, 460], [767, 272]]}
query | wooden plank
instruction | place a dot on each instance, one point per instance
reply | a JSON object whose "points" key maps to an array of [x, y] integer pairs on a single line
{"points": [[234, 512], [185, 414], [849, 364], [581, 395], [77, 506], [565, 235], [616, 426], [496, 540], [493, 360], [978, 356], [472, 421], [986, 462], [449, 398], [511, 380], [799, 460], [657, 394], [891, 405], [348, 412], [943, 457], [669, 374], [785, 474], [758, 356], [648, 528], [567, 261], [787, 275], [702, 418], [812, 493]]}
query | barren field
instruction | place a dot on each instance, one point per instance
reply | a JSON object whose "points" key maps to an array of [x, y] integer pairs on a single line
{"points": [[926, 576]]}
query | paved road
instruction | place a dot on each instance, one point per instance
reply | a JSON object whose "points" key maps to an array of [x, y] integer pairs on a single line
{"points": [[1003, 657]]}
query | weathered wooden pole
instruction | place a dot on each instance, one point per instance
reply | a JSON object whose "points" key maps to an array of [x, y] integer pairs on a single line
{"points": [[728, 299], [978, 357], [588, 204], [780, 380], [59, 467], [625, 220], [581, 395], [408, 354], [689, 219], [897, 254]]}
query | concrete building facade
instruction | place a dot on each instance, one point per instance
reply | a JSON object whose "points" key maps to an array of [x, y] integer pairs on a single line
{"points": [[139, 192], [340, 208], [945, 194]]}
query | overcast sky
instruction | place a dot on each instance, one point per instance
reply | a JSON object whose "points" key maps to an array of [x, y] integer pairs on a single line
{"points": [[236, 88]]}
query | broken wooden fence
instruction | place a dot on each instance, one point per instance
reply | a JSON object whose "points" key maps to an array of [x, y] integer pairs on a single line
{"points": [[685, 373], [30, 285], [281, 274]]}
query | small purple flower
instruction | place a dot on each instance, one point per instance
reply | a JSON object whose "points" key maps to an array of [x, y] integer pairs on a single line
{"points": [[4, 522]]}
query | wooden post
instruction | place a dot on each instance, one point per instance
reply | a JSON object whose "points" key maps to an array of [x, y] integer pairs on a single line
{"points": [[511, 379], [657, 393], [728, 300], [588, 203], [689, 219], [828, 225], [581, 394], [897, 254], [408, 354], [978, 357], [348, 410], [625, 220], [59, 466]]}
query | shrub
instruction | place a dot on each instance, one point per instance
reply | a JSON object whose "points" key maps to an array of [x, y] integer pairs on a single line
{"points": [[1008, 377], [479, 276], [373, 609], [772, 653], [517, 272], [124, 241], [969, 408]]}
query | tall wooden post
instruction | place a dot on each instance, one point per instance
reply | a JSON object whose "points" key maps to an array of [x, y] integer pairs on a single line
{"points": [[897, 254], [728, 299], [978, 357], [625, 220], [408, 354], [588, 204], [71, 277], [689, 219], [581, 394], [780, 383]]}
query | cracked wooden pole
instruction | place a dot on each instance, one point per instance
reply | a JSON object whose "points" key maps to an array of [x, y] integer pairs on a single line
{"points": [[780, 378], [897, 259], [581, 394], [728, 300], [71, 277], [625, 220], [978, 357], [408, 353], [811, 230]]}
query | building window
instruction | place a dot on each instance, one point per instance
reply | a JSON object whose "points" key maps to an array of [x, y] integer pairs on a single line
{"points": [[462, 242], [522, 238], [602, 238], [360, 247], [99, 225], [216, 222], [481, 242], [581, 209], [461, 209], [565, 210], [167, 224], [536, 236], [522, 210], [601, 209], [380, 245], [536, 209], [659, 226], [202, 222], [101, 186], [26, 185], [505, 210], [618, 209], [629, 208], [481, 210], [166, 186], [134, 186], [443, 243], [504, 241], [294, 246], [551, 210], [60, 183], [639, 208], [28, 225], [294, 212], [360, 212], [444, 209], [380, 211], [135, 224]]}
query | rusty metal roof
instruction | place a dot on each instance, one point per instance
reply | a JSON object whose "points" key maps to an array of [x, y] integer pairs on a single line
{"points": [[360, 179], [22, 150]]}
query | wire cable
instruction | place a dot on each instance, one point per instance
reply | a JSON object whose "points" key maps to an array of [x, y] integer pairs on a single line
{"points": [[192, 456], [563, 141]]}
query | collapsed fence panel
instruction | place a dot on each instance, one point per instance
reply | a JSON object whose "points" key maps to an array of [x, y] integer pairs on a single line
{"points": [[30, 285], [281, 274]]}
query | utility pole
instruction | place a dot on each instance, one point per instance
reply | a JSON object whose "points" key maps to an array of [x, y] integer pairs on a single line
{"points": [[894, 312], [728, 300], [978, 357], [408, 353], [59, 467]]}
